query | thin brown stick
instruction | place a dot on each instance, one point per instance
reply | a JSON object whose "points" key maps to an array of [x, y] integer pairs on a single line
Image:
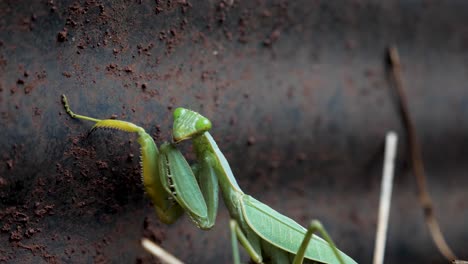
{"points": [[416, 160]]}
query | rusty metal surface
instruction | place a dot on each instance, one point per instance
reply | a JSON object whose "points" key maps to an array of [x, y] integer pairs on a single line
{"points": [[298, 96]]}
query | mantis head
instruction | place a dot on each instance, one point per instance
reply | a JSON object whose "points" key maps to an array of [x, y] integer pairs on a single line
{"points": [[188, 124]]}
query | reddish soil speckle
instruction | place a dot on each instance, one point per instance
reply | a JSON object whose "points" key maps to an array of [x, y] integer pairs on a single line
{"points": [[251, 141], [66, 74], [152, 231], [102, 165], [10, 164], [62, 35]]}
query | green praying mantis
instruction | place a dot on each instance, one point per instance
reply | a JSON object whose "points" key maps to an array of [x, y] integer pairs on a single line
{"points": [[176, 187]]}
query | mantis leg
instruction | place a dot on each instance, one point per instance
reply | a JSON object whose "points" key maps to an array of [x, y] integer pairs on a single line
{"points": [[105, 123], [167, 210], [315, 226], [236, 233], [208, 182]]}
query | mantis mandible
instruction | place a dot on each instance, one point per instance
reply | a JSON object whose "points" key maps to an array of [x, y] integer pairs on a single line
{"points": [[176, 187]]}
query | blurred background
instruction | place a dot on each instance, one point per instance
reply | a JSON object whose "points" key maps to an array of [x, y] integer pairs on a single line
{"points": [[300, 100]]}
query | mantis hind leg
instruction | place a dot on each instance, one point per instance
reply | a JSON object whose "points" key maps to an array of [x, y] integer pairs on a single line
{"points": [[236, 233], [315, 226]]}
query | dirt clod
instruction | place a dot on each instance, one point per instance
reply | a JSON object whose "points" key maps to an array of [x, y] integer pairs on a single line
{"points": [[250, 140], [62, 36]]}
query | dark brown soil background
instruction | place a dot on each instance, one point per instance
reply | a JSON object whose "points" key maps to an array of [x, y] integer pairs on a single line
{"points": [[300, 102]]}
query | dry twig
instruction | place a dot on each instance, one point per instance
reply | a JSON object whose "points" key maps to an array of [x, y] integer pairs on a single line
{"points": [[385, 196], [157, 251], [416, 160]]}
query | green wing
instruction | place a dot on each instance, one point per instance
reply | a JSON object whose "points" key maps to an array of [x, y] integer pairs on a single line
{"points": [[285, 233]]}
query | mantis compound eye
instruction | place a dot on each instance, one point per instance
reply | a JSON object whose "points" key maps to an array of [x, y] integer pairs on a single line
{"points": [[179, 112], [203, 124]]}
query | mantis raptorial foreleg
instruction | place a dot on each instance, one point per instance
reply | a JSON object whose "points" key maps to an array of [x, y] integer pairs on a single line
{"points": [[178, 179]]}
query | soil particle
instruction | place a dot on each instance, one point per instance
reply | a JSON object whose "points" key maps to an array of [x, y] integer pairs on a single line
{"points": [[3, 182], [10, 164], [41, 75], [233, 121], [272, 38], [171, 37], [3, 62], [153, 232], [251, 141], [112, 66], [20, 217], [62, 35], [145, 50], [158, 10], [16, 235], [102, 165], [40, 250], [208, 75], [31, 231], [6, 227], [37, 111], [45, 210], [66, 74], [28, 89], [301, 156], [128, 69]]}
